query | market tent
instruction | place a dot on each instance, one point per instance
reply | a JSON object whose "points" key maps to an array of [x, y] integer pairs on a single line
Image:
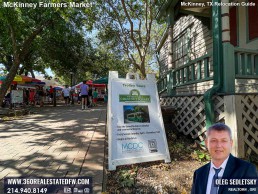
{"points": [[26, 87], [30, 79], [51, 82], [26, 78], [37, 83], [13, 82], [90, 83], [58, 87], [21, 78], [16, 78], [78, 85], [103, 80]]}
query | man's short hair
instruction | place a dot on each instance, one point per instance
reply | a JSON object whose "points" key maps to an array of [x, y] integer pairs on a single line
{"points": [[219, 127], [84, 82]]}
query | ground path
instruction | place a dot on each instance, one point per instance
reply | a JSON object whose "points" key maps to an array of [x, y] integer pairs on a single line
{"points": [[55, 141]]}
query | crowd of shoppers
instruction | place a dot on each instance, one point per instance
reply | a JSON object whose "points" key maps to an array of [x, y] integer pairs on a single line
{"points": [[86, 95]]}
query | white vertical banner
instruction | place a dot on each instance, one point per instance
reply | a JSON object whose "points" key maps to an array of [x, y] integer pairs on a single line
{"points": [[16, 96], [135, 126]]}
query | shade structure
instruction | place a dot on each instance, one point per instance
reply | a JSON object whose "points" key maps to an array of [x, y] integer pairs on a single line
{"points": [[26, 78], [29, 79], [51, 82], [90, 83], [21, 79], [13, 82], [103, 80], [17, 78], [78, 85], [58, 87], [37, 83]]}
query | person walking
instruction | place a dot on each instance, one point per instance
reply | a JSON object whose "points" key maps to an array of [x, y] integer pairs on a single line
{"points": [[90, 97], [27, 96], [51, 94], [79, 97], [32, 97], [84, 94], [66, 94], [95, 97], [40, 96]]}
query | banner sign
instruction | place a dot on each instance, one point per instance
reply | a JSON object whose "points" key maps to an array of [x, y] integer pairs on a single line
{"points": [[17, 96], [135, 124]]}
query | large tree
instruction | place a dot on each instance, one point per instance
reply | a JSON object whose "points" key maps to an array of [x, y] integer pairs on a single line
{"points": [[22, 28], [19, 34], [127, 26], [106, 60]]}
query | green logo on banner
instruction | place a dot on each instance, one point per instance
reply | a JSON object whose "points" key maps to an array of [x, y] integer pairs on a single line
{"points": [[134, 96]]}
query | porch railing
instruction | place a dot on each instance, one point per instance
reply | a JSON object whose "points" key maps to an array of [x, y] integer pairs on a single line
{"points": [[162, 84], [246, 63], [195, 71]]}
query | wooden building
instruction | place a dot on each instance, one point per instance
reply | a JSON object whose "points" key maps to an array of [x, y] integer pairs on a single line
{"points": [[208, 59]]}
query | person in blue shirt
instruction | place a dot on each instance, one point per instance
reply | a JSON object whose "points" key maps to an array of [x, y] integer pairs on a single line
{"points": [[84, 94]]}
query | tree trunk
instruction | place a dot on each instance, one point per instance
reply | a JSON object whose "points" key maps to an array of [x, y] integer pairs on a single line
{"points": [[19, 56], [9, 78]]}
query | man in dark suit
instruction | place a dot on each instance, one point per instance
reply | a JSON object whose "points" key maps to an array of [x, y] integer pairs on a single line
{"points": [[219, 143]]}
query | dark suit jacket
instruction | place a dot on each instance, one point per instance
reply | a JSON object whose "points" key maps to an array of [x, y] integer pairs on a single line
{"points": [[235, 168]]}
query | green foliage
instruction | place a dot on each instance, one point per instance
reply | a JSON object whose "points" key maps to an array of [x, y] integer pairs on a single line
{"points": [[129, 29], [59, 42], [57, 38], [201, 155], [179, 146], [22, 31], [176, 147], [126, 178]]}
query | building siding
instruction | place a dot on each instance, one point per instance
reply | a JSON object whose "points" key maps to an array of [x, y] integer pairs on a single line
{"points": [[163, 59], [246, 85], [200, 44], [198, 88]]}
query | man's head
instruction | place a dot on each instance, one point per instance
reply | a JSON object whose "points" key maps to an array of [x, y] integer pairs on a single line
{"points": [[219, 142], [84, 82]]}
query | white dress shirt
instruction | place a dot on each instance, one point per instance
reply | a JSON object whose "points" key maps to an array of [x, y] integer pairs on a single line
{"points": [[212, 173]]}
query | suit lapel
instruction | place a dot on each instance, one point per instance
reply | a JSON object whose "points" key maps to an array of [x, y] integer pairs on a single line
{"points": [[229, 167], [204, 181], [228, 171]]}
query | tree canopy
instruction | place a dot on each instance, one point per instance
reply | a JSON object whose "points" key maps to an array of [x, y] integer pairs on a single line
{"points": [[26, 35], [53, 37], [129, 28]]}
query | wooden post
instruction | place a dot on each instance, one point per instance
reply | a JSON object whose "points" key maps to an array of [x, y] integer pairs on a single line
{"points": [[54, 98], [232, 104], [228, 68], [170, 24]]}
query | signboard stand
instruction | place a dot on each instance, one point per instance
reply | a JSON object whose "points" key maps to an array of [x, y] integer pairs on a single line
{"points": [[16, 97], [136, 131]]}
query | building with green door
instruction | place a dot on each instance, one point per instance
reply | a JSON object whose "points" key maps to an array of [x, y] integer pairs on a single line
{"points": [[208, 60]]}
